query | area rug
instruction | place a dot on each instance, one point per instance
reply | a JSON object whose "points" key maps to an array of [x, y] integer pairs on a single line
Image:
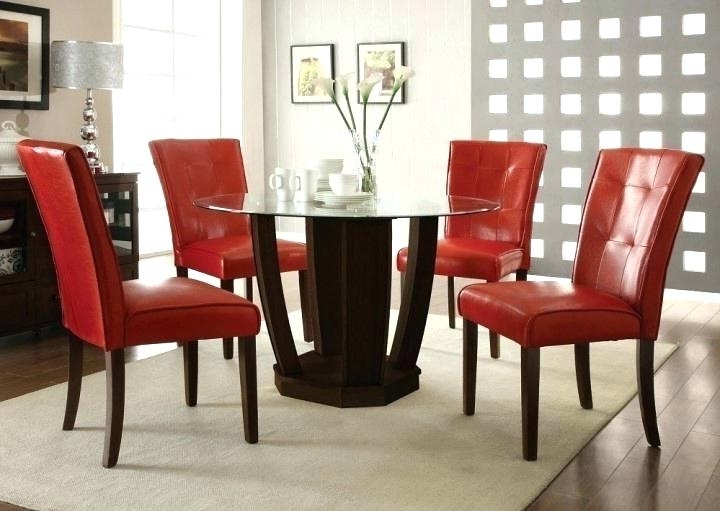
{"points": [[419, 453]]}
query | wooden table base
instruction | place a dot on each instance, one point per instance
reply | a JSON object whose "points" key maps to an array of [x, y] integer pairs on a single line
{"points": [[320, 382], [350, 262]]}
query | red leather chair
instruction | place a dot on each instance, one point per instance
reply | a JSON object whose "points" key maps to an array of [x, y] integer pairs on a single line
{"points": [[206, 241], [491, 245], [100, 309], [632, 212]]}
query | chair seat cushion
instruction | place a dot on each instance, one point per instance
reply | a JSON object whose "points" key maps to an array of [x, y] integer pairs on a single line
{"points": [[472, 258], [536, 314], [231, 257], [184, 309]]}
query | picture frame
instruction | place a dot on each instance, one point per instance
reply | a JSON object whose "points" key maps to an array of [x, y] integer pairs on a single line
{"points": [[24, 57], [381, 58], [308, 62]]}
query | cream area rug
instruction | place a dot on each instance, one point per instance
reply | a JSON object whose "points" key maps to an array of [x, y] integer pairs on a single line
{"points": [[418, 453]]}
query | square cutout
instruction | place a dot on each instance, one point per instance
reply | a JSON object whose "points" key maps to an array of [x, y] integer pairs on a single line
{"points": [[693, 64], [533, 68], [609, 66], [610, 103], [650, 26], [693, 24], [537, 248], [609, 28], [651, 139], [533, 104], [498, 33], [650, 103], [570, 67], [533, 31], [497, 68], [571, 104], [693, 103], [570, 30], [650, 65], [497, 104]]}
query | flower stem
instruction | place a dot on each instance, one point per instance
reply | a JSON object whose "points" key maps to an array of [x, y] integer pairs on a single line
{"points": [[340, 110], [387, 108], [352, 117], [367, 153]]}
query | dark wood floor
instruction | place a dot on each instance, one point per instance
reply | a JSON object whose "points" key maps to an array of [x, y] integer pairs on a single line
{"points": [[615, 471]]}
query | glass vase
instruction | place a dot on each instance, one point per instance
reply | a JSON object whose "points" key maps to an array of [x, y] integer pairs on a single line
{"points": [[366, 151]]}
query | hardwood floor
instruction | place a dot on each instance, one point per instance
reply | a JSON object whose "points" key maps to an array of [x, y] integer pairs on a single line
{"points": [[615, 471]]}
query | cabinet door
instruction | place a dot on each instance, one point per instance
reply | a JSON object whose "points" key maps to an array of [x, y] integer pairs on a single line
{"points": [[17, 306], [119, 199], [16, 211]]}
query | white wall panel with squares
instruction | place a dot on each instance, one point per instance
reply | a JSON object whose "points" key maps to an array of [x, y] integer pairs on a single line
{"points": [[582, 75]]}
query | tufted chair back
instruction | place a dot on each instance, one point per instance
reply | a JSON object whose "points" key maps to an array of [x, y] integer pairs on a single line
{"points": [[89, 279], [496, 171], [630, 221], [190, 169]]}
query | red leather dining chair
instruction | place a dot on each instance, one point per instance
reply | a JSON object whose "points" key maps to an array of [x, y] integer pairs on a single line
{"points": [[100, 309], [216, 244], [491, 245], [631, 216]]}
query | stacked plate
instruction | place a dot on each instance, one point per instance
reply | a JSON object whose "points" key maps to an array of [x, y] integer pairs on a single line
{"points": [[332, 200], [323, 184], [325, 167]]}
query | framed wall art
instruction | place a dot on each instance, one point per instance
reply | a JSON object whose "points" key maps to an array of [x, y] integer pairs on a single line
{"points": [[24, 57], [381, 58], [308, 62]]}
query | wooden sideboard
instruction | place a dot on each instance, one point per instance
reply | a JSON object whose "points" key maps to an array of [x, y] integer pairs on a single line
{"points": [[28, 293]]}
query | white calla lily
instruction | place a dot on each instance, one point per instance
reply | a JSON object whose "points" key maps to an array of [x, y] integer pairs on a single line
{"points": [[401, 74], [325, 84], [365, 87], [342, 82]]}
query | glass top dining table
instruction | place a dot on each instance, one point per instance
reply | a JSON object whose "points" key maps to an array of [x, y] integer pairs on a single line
{"points": [[347, 286]]}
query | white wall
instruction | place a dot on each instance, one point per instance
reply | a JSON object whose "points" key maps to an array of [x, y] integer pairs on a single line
{"points": [[414, 141]]}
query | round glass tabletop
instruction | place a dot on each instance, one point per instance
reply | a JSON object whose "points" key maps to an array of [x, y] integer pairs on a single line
{"points": [[395, 205]]}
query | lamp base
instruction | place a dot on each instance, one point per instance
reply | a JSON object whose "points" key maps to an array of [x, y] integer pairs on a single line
{"points": [[88, 132]]}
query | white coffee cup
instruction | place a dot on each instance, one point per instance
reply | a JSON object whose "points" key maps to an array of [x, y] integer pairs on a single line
{"points": [[284, 182], [307, 182]]}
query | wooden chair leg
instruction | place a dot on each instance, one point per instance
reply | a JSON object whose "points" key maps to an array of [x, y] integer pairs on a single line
{"points": [[494, 337], [494, 344], [451, 301], [190, 363], [248, 387], [645, 349], [470, 334], [582, 374], [306, 306], [75, 364], [530, 392], [249, 289], [227, 285], [114, 405]]}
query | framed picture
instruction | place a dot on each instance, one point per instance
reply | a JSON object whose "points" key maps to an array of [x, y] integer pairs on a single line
{"points": [[24, 57], [308, 62], [381, 58]]}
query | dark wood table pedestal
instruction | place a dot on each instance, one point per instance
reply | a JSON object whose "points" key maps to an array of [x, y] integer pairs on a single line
{"points": [[350, 264]]}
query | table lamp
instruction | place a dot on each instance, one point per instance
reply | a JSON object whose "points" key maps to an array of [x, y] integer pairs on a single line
{"points": [[87, 65]]}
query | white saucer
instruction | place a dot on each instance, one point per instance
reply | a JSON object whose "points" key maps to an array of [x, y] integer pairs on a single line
{"points": [[332, 199]]}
